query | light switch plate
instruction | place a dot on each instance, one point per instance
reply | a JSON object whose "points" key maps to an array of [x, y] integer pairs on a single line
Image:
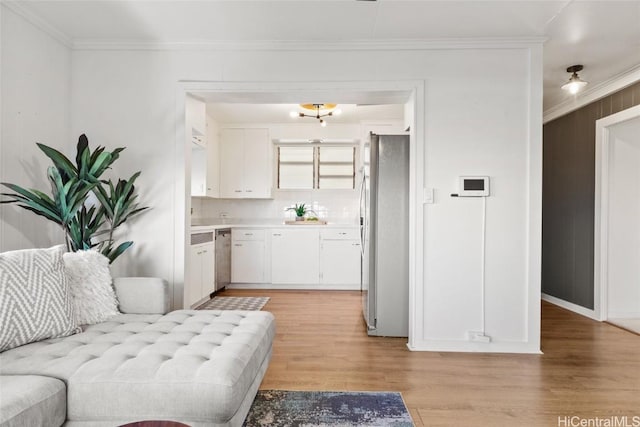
{"points": [[428, 195]]}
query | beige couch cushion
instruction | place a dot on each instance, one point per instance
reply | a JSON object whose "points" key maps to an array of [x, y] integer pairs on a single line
{"points": [[33, 401], [187, 365]]}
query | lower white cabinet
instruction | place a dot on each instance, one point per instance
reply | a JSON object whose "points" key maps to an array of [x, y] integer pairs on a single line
{"points": [[202, 268], [295, 256], [248, 256], [340, 263]]}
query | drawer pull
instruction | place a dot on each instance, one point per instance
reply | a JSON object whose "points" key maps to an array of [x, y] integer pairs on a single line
{"points": [[277, 234], [237, 191]]}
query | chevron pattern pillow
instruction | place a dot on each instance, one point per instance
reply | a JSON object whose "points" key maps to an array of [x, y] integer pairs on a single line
{"points": [[35, 303]]}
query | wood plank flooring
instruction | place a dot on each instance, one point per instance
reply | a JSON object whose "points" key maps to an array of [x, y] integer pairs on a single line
{"points": [[589, 369]]}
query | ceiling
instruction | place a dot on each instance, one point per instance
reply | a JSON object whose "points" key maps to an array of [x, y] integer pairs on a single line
{"points": [[603, 35]]}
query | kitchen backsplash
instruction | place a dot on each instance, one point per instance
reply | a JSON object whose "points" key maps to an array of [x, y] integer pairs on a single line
{"points": [[333, 206]]}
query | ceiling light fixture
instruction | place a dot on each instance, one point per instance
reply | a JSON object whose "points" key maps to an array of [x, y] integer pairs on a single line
{"points": [[575, 83], [319, 114]]}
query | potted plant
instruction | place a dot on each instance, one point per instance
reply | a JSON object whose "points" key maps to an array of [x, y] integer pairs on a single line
{"points": [[301, 210], [86, 224]]}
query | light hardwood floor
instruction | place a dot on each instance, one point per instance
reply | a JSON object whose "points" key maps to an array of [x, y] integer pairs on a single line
{"points": [[588, 369]]}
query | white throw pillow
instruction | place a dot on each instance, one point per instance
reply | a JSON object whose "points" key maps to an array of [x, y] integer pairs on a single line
{"points": [[35, 303], [91, 287]]}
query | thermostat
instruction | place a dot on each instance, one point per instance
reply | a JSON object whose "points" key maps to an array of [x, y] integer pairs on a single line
{"points": [[473, 186]]}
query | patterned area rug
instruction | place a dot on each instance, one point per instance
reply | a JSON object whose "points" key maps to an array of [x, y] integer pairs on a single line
{"points": [[234, 303], [279, 408]]}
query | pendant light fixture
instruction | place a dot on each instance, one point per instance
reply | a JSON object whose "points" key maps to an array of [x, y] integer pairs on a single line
{"points": [[320, 112], [575, 83]]}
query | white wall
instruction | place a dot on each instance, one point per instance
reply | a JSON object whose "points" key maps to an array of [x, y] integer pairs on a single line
{"points": [[624, 228], [35, 78], [482, 115]]}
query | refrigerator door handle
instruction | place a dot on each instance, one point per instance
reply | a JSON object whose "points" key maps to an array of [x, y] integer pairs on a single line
{"points": [[363, 220]]}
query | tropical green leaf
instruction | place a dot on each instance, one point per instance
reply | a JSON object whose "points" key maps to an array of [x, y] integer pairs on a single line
{"points": [[112, 254], [60, 161], [83, 144], [40, 210], [101, 163], [38, 205], [59, 194], [96, 153], [83, 166]]}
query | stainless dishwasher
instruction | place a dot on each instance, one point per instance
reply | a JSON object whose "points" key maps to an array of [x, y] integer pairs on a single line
{"points": [[223, 258]]}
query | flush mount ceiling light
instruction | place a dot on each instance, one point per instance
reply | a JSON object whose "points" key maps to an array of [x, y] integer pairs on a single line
{"points": [[320, 111], [575, 83]]}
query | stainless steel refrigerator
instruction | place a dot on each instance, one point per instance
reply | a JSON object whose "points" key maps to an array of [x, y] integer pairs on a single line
{"points": [[384, 234]]}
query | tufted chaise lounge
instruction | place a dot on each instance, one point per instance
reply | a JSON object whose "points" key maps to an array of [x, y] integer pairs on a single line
{"points": [[201, 368]]}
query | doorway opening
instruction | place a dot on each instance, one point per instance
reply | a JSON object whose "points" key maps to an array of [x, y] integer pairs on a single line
{"points": [[255, 94], [617, 212]]}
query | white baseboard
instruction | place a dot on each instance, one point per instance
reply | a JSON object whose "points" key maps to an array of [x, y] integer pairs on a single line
{"points": [[294, 287], [591, 314], [624, 315], [473, 347]]}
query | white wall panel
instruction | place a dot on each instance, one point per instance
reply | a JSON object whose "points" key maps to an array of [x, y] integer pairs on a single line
{"points": [[35, 73], [480, 117]]}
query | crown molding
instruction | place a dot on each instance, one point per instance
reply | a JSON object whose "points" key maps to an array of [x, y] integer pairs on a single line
{"points": [[283, 45], [25, 12], [19, 8], [614, 84]]}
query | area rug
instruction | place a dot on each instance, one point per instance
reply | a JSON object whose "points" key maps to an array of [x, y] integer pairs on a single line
{"points": [[234, 303], [280, 408]]}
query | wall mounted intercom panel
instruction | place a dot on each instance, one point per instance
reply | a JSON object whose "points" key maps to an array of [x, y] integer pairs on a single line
{"points": [[473, 186]]}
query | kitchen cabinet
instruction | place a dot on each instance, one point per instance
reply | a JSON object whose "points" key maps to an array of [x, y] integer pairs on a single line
{"points": [[205, 165], [340, 258], [248, 256], [245, 164], [295, 257], [195, 120], [201, 271]]}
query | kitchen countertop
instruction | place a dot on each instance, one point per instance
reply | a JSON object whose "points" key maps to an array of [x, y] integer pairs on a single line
{"points": [[212, 227]]}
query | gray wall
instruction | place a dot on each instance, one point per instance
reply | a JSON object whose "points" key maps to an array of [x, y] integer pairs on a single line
{"points": [[568, 187]]}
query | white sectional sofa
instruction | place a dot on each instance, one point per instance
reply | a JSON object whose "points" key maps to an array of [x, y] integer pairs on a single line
{"points": [[201, 368]]}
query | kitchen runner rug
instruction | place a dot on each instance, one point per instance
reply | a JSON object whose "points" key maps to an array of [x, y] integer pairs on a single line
{"points": [[280, 408], [234, 303]]}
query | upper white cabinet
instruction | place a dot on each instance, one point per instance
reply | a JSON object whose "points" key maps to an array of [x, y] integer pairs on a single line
{"points": [[205, 164], [245, 164], [295, 256], [196, 120]]}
